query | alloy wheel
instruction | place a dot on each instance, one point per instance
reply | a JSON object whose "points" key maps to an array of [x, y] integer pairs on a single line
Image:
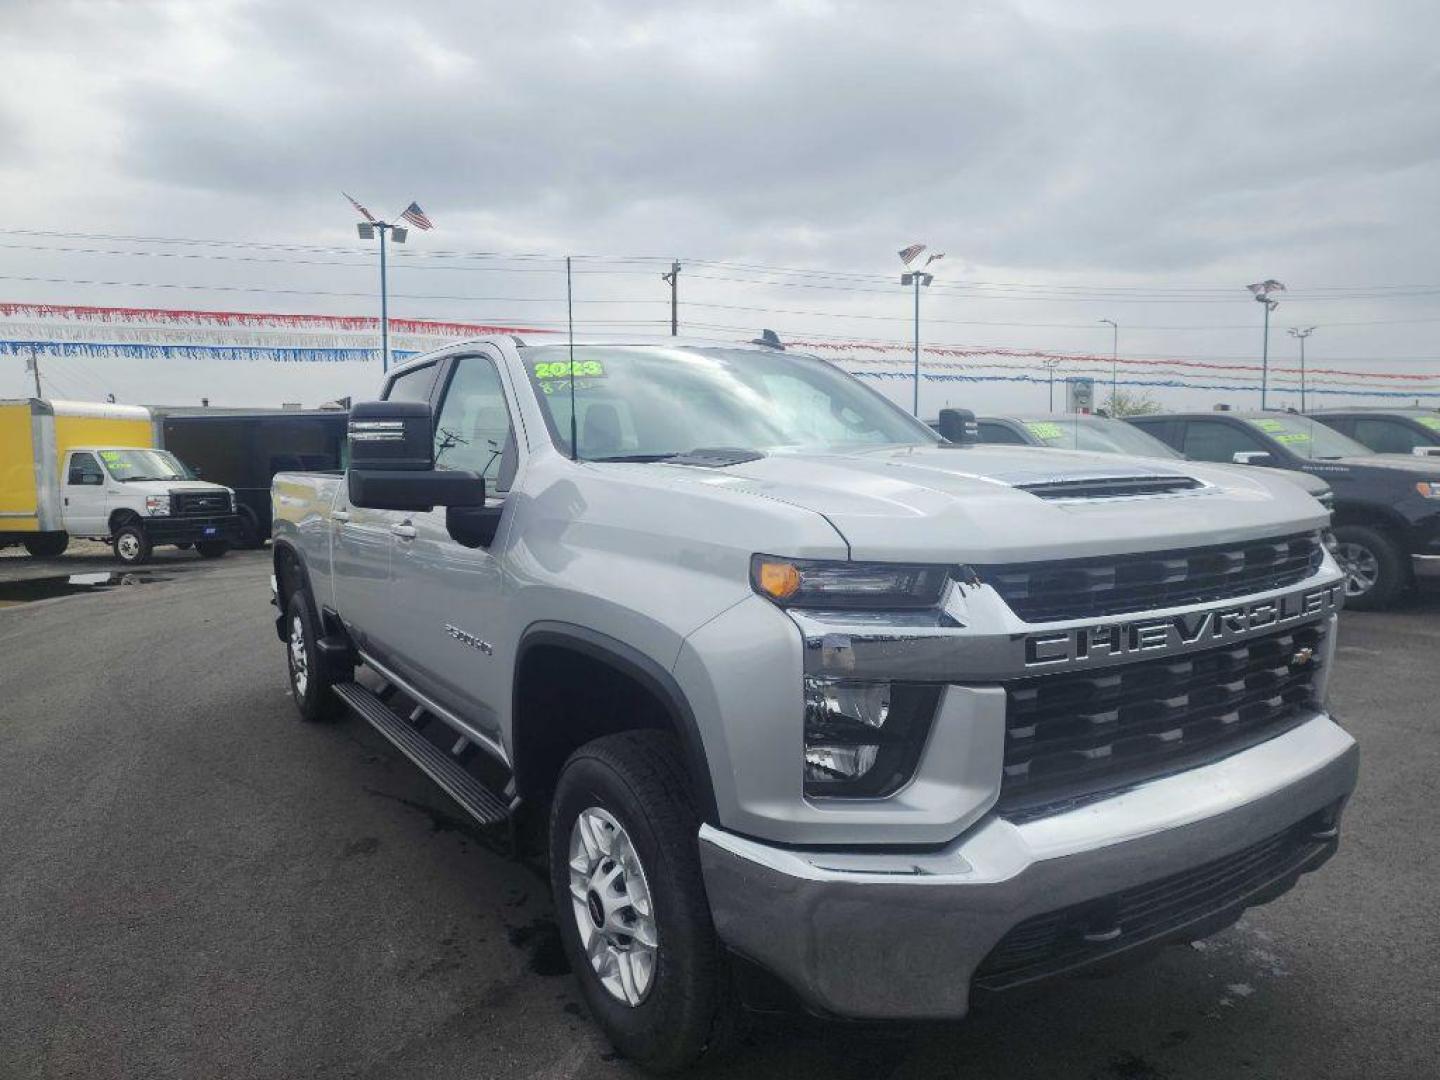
{"points": [[299, 660], [1362, 568], [129, 546], [610, 899]]}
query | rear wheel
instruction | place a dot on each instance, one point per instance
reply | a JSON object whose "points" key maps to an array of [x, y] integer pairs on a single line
{"points": [[249, 529], [1374, 569], [625, 870], [310, 683], [212, 549], [131, 544], [47, 545]]}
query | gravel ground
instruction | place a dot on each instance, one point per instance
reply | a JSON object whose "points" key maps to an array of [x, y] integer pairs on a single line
{"points": [[195, 884]]}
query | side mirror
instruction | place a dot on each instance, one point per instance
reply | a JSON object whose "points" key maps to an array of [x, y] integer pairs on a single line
{"points": [[392, 463], [958, 426], [1253, 457]]}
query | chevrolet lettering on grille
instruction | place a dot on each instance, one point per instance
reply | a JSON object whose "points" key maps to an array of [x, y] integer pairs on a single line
{"points": [[1189, 630]]}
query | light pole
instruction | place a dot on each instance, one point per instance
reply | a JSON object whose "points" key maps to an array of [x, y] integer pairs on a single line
{"points": [[1261, 291], [1050, 366], [673, 280], [1301, 335], [916, 278], [367, 231], [1114, 363]]}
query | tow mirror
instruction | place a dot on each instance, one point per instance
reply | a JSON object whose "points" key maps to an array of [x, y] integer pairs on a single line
{"points": [[1253, 457], [392, 461], [958, 426]]}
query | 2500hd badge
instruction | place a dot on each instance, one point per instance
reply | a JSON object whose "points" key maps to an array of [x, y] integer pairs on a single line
{"points": [[1188, 630]]}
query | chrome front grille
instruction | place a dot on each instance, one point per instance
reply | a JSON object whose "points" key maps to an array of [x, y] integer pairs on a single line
{"points": [[199, 503], [1077, 735], [1118, 584]]}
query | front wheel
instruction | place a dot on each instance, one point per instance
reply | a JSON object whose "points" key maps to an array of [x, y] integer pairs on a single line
{"points": [[625, 870], [212, 549], [131, 544], [1374, 569]]}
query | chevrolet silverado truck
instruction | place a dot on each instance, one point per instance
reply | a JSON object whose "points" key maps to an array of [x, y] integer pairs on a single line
{"points": [[1387, 506], [805, 704]]}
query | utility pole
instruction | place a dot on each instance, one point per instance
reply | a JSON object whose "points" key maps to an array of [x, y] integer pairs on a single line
{"points": [[1261, 291], [1050, 366], [1301, 335], [673, 280], [1114, 363]]}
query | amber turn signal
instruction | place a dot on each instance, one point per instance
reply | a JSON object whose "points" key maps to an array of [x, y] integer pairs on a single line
{"points": [[778, 580]]}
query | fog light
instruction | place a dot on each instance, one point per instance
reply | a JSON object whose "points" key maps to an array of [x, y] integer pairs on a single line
{"points": [[862, 738]]}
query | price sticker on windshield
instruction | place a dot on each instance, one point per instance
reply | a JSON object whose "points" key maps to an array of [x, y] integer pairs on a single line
{"points": [[1432, 422], [1045, 429], [115, 462]]}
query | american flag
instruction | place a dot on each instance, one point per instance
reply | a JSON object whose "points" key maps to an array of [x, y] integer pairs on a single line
{"points": [[415, 216], [907, 255], [363, 212]]}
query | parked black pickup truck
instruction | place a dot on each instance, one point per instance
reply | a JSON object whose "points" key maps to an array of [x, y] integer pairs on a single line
{"points": [[1387, 506], [1387, 431]]}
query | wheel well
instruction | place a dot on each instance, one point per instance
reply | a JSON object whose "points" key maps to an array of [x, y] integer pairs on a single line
{"points": [[122, 517], [1361, 515], [568, 694]]}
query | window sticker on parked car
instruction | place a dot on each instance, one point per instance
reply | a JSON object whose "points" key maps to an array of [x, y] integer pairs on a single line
{"points": [[1432, 422], [560, 369], [1281, 432], [1045, 429], [115, 462]]}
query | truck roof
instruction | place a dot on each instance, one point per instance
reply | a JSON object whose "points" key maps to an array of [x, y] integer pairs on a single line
{"points": [[96, 409]]}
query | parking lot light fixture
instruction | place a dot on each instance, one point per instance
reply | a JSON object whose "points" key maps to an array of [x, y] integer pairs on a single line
{"points": [[1261, 291], [916, 278], [1300, 335], [1114, 361]]}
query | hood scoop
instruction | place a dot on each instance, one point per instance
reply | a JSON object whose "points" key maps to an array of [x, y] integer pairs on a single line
{"points": [[1109, 487]]}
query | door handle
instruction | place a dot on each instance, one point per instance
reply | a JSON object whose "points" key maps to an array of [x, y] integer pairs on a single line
{"points": [[340, 516], [405, 531]]}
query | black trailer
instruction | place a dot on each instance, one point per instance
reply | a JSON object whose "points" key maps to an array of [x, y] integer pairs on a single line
{"points": [[244, 448]]}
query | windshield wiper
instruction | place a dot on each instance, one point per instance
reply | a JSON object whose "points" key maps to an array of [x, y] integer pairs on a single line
{"points": [[638, 457]]}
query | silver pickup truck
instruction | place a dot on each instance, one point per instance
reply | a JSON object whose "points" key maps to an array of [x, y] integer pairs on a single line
{"points": [[805, 703]]}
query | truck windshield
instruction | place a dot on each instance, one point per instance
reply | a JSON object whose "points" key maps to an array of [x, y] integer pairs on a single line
{"points": [[636, 403], [128, 465], [1306, 437], [1098, 434]]}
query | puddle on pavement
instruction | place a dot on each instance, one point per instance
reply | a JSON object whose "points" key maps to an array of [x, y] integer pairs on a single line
{"points": [[15, 593]]}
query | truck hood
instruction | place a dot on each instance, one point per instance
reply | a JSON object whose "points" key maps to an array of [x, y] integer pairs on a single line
{"points": [[164, 487], [968, 504]]}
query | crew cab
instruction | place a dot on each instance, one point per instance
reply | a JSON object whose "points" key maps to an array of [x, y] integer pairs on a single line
{"points": [[1387, 507], [804, 703]]}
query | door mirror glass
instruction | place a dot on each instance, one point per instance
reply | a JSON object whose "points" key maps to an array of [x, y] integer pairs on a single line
{"points": [[1252, 457], [958, 426]]}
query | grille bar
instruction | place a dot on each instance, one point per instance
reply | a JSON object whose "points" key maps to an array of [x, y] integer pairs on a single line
{"points": [[1078, 734], [1114, 585], [199, 503]]}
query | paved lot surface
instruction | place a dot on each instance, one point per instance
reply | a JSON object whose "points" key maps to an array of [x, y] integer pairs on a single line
{"points": [[195, 884]]}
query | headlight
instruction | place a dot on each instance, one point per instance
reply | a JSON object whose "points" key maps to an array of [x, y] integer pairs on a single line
{"points": [[863, 739], [810, 583], [157, 505], [1430, 489]]}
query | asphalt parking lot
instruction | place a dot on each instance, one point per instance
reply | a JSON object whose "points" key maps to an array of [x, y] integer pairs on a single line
{"points": [[196, 884]]}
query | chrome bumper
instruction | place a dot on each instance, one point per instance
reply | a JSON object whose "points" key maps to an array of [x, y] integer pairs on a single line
{"points": [[895, 935], [1425, 566]]}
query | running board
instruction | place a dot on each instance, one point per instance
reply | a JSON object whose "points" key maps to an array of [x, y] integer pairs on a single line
{"points": [[478, 800]]}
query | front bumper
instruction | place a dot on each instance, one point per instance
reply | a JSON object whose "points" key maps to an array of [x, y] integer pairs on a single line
{"points": [[185, 530], [901, 935]]}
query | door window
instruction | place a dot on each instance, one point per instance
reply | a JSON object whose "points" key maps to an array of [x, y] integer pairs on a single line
{"points": [[991, 432], [1215, 440], [415, 384], [85, 471], [1388, 436], [473, 431]]}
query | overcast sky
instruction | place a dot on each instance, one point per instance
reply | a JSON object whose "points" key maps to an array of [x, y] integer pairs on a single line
{"points": [[1135, 161]]}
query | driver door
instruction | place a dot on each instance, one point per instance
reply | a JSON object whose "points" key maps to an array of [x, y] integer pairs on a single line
{"points": [[83, 500], [446, 599]]}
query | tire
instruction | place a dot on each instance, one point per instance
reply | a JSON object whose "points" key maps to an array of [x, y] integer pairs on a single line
{"points": [[310, 683], [633, 792], [212, 549], [131, 544], [186, 546], [1374, 568], [47, 545], [250, 537]]}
